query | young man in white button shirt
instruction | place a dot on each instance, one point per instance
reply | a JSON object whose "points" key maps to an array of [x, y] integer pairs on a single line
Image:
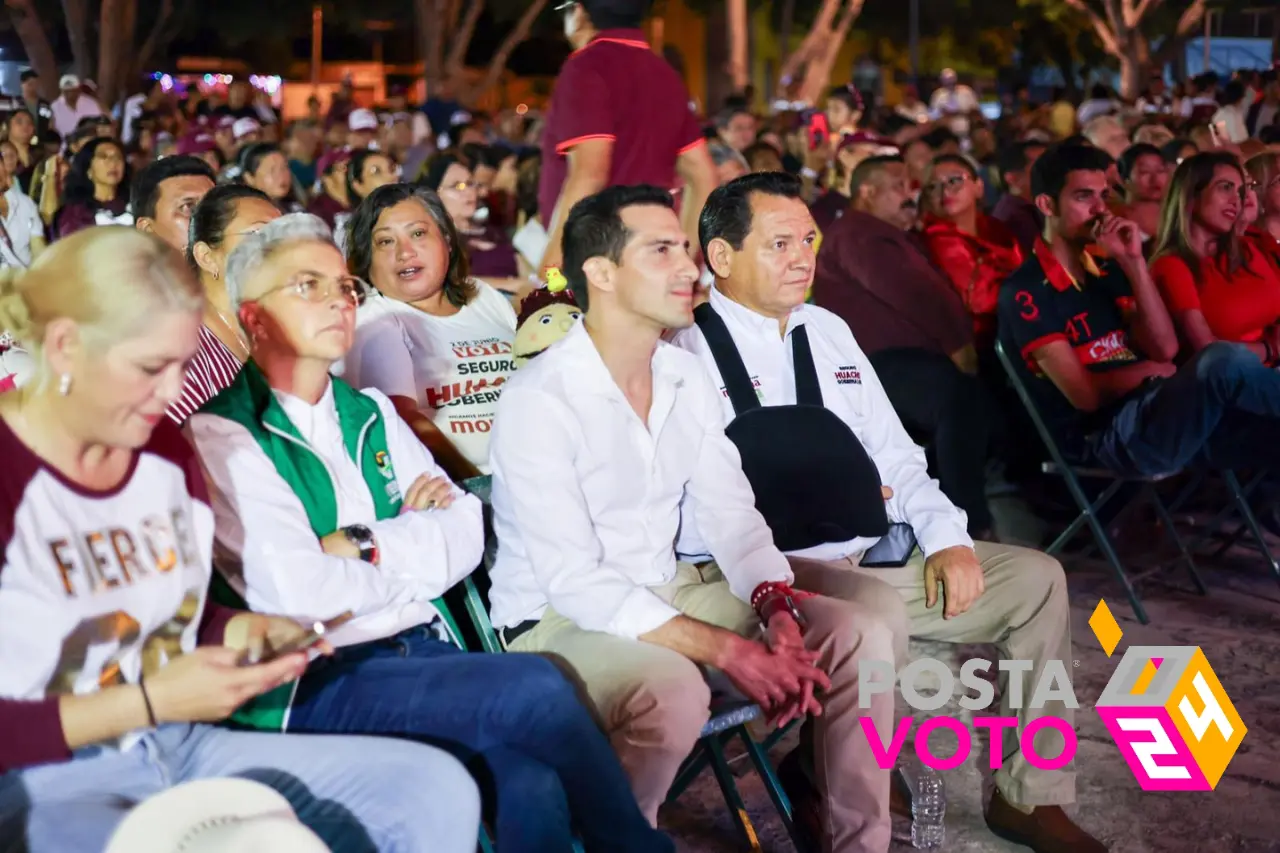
{"points": [[596, 444], [757, 235]]}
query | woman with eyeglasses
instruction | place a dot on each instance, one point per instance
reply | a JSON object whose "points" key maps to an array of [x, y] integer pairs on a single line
{"points": [[975, 251], [326, 502], [1265, 231], [431, 337], [226, 215], [1217, 286], [96, 191], [490, 254], [113, 661], [1145, 175]]}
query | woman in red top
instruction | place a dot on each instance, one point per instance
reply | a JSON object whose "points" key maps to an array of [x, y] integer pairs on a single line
{"points": [[1264, 169], [1216, 285], [975, 251]]}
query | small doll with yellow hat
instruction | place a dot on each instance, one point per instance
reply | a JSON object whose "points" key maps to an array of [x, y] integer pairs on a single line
{"points": [[546, 315]]}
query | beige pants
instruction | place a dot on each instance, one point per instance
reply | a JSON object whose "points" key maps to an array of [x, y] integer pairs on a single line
{"points": [[654, 702], [1024, 612]]}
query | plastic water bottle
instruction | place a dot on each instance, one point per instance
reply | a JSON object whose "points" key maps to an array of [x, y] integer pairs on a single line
{"points": [[928, 807]]}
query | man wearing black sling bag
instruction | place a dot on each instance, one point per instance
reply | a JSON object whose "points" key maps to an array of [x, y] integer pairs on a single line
{"points": [[765, 348]]}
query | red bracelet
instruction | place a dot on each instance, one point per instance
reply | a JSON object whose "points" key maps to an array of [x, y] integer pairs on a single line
{"points": [[767, 589]]}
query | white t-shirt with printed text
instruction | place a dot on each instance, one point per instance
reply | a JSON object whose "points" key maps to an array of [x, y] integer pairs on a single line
{"points": [[453, 366]]}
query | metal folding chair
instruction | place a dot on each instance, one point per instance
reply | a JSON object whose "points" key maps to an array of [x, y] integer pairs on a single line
{"points": [[1090, 509], [729, 715]]}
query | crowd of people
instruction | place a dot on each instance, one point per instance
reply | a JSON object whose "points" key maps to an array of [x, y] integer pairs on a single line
{"points": [[249, 367]]}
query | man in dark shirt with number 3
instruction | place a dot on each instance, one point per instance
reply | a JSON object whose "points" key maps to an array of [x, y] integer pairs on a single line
{"points": [[1095, 344]]}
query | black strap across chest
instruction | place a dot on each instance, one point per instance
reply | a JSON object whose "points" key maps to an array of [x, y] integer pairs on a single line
{"points": [[813, 480], [737, 382]]}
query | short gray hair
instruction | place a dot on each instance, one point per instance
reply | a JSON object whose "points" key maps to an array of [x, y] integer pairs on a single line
{"points": [[254, 250]]}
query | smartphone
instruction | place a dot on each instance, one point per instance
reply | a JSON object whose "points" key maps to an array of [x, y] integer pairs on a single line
{"points": [[818, 131], [893, 550], [306, 641]]}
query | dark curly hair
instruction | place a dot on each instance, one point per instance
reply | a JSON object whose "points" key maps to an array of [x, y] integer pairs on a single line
{"points": [[459, 289], [79, 186]]}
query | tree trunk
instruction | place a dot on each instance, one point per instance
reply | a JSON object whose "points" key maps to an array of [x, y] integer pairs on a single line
{"points": [[430, 15], [163, 31], [739, 70], [35, 43], [76, 13], [1133, 73], [113, 41], [498, 64], [460, 39], [818, 74]]}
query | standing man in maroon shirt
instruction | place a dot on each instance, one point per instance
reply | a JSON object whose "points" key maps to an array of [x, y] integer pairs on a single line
{"points": [[619, 115]]}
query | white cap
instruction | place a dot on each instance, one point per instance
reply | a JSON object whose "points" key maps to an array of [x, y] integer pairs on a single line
{"points": [[214, 815], [362, 119], [245, 126], [68, 81]]}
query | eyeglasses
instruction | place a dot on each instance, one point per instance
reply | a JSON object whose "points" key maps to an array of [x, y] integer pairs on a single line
{"points": [[946, 185], [318, 289]]}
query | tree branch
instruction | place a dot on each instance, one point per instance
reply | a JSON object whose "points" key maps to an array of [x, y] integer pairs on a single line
{"points": [[1190, 18], [810, 47], [1108, 39], [159, 37], [518, 34], [35, 43], [1136, 16], [462, 39]]}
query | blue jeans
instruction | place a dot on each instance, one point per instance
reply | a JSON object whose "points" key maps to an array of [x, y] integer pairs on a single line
{"points": [[543, 765], [1221, 409], [358, 794]]}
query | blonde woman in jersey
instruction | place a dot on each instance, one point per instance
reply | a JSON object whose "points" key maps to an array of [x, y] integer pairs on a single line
{"points": [[112, 661]]}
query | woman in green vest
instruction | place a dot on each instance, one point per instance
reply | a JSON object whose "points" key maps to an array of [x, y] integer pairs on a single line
{"points": [[325, 501]]}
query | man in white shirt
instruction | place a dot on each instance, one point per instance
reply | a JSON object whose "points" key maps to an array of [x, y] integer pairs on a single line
{"points": [[325, 501], [596, 443], [72, 105], [757, 235]]}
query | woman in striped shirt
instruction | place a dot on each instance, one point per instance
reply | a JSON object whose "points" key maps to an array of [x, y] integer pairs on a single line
{"points": [[223, 218]]}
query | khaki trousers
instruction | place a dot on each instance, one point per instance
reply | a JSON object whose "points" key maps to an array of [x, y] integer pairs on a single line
{"points": [[654, 702], [1024, 612]]}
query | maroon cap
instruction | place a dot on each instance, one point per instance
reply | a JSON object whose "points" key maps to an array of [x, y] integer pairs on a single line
{"points": [[330, 158], [197, 143]]}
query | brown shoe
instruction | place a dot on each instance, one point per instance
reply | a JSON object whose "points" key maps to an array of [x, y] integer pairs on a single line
{"points": [[1046, 830], [899, 795]]}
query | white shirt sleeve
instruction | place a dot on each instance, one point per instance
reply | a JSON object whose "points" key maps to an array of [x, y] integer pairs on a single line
{"points": [[535, 487], [259, 520], [917, 498], [434, 549], [724, 505], [381, 359]]}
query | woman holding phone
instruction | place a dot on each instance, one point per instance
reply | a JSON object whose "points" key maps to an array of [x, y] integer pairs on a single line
{"points": [[112, 662]]}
